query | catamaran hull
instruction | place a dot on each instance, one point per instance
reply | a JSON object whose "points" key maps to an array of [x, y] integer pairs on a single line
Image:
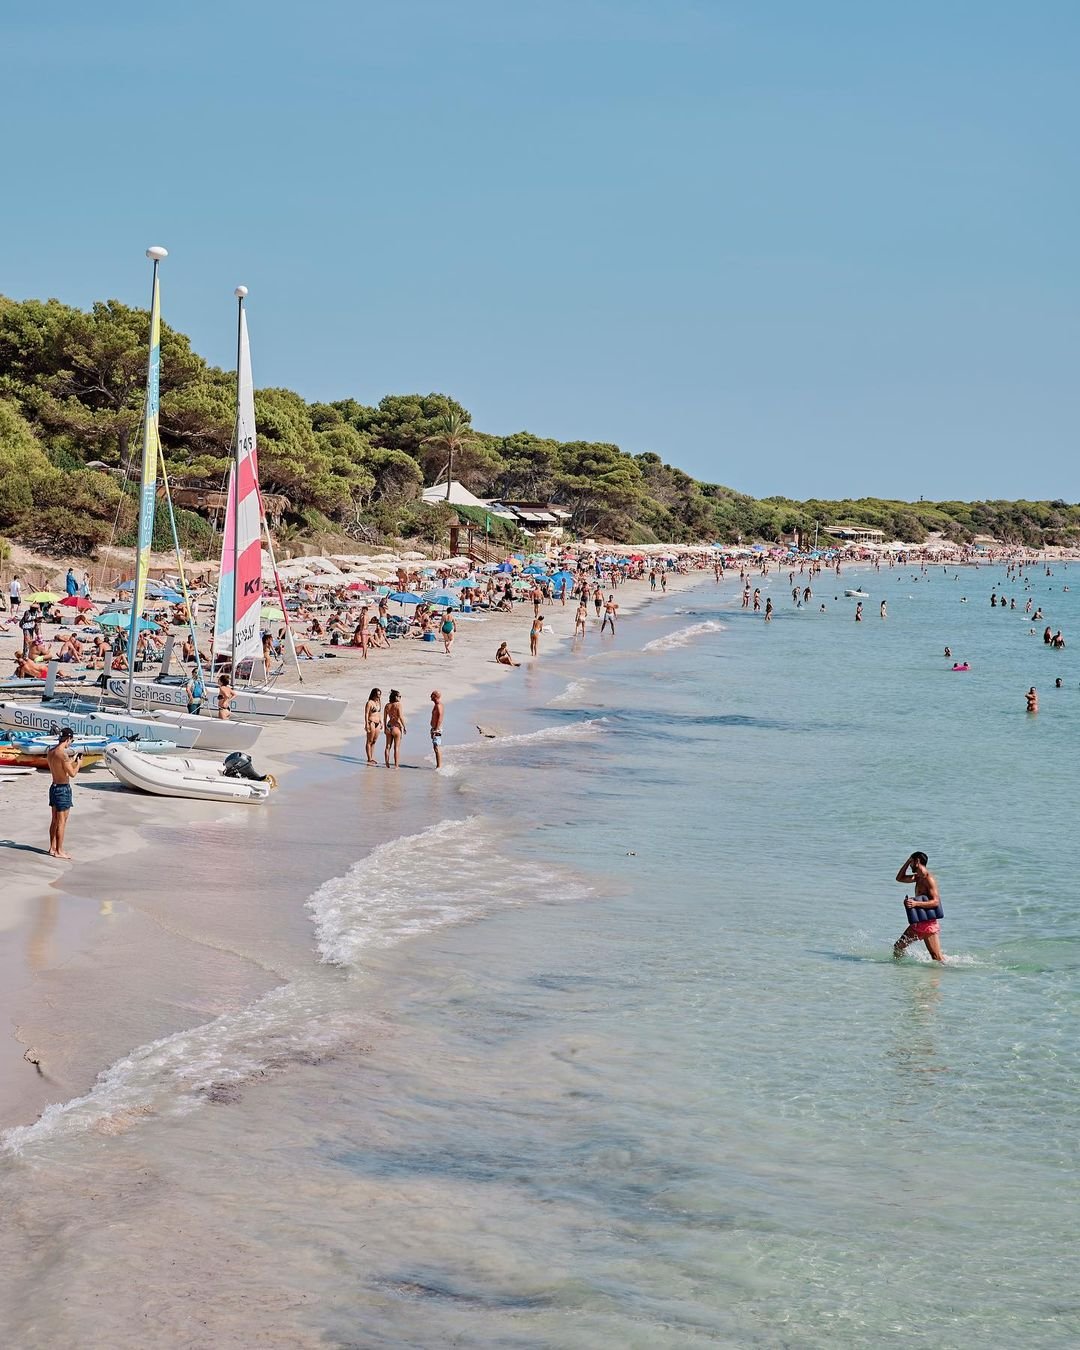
{"points": [[158, 695], [46, 717], [199, 778], [212, 734], [310, 707]]}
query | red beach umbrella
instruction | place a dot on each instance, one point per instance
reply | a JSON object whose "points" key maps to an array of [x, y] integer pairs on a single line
{"points": [[77, 602]]}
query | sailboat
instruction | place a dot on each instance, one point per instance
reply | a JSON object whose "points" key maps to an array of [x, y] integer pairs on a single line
{"points": [[237, 628], [85, 716]]}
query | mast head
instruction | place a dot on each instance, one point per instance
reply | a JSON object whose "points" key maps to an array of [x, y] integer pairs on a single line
{"points": [[156, 253], [240, 292]]}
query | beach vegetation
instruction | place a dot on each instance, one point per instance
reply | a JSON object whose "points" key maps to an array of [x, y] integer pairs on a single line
{"points": [[71, 396]]}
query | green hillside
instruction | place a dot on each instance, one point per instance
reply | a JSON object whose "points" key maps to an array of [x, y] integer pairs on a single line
{"points": [[71, 386]]}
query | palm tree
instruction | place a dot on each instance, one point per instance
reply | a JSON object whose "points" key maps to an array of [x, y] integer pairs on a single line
{"points": [[452, 436]]}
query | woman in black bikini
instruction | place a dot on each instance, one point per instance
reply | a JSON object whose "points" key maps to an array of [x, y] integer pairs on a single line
{"points": [[394, 726]]}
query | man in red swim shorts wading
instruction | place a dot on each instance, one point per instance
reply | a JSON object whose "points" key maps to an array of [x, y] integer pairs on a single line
{"points": [[926, 897]]}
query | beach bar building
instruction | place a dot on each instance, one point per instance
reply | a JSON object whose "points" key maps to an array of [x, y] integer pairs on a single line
{"points": [[855, 534]]}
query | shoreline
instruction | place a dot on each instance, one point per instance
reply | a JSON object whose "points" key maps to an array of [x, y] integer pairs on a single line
{"points": [[134, 941]]}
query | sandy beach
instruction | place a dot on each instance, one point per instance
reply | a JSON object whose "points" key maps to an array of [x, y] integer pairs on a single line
{"points": [[176, 911]]}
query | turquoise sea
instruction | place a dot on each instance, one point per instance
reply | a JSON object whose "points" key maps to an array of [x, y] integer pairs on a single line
{"points": [[604, 1045]]}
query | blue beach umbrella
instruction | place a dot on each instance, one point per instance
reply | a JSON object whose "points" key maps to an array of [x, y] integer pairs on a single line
{"points": [[536, 571], [505, 567], [465, 581], [404, 597], [124, 621], [443, 599], [558, 579]]}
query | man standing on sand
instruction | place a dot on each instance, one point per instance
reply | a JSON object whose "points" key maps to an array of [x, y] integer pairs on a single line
{"points": [[579, 622], [436, 726], [15, 595], [63, 766], [926, 897], [611, 610]]}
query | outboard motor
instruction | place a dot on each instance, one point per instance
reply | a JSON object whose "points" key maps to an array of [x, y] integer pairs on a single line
{"points": [[238, 765]]}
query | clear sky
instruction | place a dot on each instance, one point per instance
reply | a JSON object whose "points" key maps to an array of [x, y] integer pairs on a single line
{"points": [[811, 247]]}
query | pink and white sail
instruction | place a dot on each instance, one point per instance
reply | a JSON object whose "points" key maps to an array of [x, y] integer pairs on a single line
{"points": [[239, 598]]}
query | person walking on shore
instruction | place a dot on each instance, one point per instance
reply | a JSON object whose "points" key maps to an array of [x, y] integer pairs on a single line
{"points": [[63, 766], [372, 722], [437, 726], [611, 610], [598, 600], [579, 621], [534, 634], [394, 727], [448, 630], [15, 596]]}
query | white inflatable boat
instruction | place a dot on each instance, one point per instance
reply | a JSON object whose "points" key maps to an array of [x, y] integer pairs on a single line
{"points": [[165, 776]]}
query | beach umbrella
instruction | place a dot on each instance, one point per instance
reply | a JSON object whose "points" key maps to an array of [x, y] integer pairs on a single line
{"points": [[124, 621], [271, 612], [505, 567], [520, 584], [463, 581], [358, 586], [404, 597], [77, 602], [443, 599], [490, 567], [43, 598], [534, 570], [118, 607], [559, 577]]}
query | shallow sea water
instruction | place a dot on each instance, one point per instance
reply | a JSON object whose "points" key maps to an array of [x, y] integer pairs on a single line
{"points": [[611, 1050]]}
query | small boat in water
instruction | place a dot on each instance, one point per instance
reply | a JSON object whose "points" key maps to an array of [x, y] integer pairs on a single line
{"points": [[858, 595], [231, 781]]}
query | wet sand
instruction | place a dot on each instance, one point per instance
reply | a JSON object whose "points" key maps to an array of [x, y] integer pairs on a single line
{"points": [[176, 911]]}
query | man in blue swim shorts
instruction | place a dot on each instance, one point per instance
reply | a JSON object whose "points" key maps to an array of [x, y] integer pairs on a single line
{"points": [[63, 766], [437, 726]]}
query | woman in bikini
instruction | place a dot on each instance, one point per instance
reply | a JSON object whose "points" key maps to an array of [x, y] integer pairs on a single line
{"points": [[394, 726], [372, 722]]}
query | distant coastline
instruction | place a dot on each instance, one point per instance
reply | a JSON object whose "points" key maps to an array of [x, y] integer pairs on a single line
{"points": [[343, 473]]}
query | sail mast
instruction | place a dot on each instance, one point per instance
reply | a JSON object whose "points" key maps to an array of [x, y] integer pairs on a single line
{"points": [[151, 447], [240, 292]]}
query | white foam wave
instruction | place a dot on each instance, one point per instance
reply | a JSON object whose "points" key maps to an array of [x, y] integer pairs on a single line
{"points": [[448, 874], [573, 692], [590, 726], [682, 637], [177, 1073]]}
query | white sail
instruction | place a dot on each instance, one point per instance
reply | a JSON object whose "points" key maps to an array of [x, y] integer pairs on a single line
{"points": [[239, 599]]}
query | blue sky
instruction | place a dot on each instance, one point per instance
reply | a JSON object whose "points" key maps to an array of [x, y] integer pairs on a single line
{"points": [[806, 248]]}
